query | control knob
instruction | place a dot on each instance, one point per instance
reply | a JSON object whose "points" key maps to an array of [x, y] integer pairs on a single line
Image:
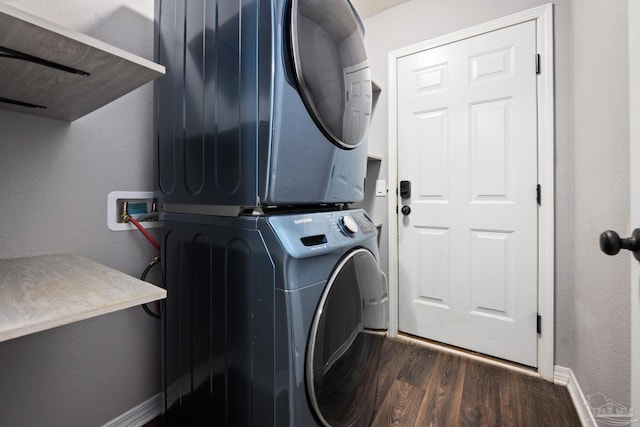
{"points": [[348, 225]]}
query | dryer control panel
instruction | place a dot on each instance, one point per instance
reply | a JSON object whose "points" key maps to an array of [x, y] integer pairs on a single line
{"points": [[317, 233]]}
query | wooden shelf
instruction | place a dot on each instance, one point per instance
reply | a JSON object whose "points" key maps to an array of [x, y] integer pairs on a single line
{"points": [[43, 292], [56, 92]]}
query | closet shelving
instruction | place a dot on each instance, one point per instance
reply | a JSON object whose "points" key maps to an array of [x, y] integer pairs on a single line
{"points": [[48, 70], [42, 292]]}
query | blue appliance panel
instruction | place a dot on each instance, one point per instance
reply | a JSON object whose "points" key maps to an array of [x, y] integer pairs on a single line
{"points": [[233, 124], [207, 113], [218, 326], [243, 296]]}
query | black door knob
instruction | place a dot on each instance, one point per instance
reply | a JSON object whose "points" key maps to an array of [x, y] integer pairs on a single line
{"points": [[406, 210], [611, 243]]}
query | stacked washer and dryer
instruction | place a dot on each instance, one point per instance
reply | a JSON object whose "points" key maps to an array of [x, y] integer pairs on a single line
{"points": [[277, 309]]}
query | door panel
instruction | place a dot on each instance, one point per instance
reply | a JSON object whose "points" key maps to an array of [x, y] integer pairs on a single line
{"points": [[467, 140]]}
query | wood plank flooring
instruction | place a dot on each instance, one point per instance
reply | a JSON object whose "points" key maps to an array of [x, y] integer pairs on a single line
{"points": [[420, 386]]}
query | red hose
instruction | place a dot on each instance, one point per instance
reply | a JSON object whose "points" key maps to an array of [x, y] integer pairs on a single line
{"points": [[145, 232]]}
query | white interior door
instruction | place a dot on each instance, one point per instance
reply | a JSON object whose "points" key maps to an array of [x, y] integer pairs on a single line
{"points": [[467, 142], [358, 101]]}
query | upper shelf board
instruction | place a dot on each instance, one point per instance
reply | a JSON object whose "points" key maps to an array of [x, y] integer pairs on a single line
{"points": [[102, 74]]}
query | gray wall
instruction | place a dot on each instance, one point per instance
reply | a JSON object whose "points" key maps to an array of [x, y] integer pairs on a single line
{"points": [[600, 122], [592, 308], [54, 182], [55, 178]]}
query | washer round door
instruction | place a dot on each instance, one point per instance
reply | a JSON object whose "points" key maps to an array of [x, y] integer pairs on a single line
{"points": [[347, 334], [331, 69]]}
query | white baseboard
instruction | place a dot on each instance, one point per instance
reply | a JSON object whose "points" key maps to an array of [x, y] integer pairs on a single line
{"points": [[564, 376], [139, 415]]}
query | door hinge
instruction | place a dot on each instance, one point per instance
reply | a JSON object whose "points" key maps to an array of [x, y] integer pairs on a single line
{"points": [[539, 194], [537, 63], [539, 323]]}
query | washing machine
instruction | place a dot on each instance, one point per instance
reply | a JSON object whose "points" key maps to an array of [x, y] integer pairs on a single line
{"points": [[264, 103], [272, 320]]}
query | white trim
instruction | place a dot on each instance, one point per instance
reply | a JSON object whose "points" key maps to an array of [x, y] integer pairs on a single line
{"points": [[543, 16], [546, 178], [564, 376], [472, 356], [392, 202], [139, 415]]}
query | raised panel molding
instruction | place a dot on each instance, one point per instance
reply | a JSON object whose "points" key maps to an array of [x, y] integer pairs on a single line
{"points": [[491, 65]]}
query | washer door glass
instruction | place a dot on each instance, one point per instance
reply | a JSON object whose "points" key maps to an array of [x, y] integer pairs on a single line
{"points": [[346, 340], [330, 62]]}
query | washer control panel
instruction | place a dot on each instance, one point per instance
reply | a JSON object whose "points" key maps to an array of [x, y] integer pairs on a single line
{"points": [[364, 222], [315, 233], [348, 225]]}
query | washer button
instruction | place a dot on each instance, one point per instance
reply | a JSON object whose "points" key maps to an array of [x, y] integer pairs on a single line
{"points": [[348, 225]]}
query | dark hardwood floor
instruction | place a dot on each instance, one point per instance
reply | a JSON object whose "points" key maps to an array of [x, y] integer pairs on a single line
{"points": [[420, 386]]}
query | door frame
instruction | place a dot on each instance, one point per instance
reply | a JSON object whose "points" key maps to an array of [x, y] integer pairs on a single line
{"points": [[543, 17]]}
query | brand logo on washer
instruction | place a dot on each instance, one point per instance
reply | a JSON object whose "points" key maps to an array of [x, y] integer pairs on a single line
{"points": [[302, 220]]}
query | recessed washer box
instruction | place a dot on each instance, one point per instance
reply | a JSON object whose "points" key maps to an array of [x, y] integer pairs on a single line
{"points": [[139, 203]]}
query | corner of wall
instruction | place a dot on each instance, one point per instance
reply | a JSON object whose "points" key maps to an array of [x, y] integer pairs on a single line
{"points": [[565, 377]]}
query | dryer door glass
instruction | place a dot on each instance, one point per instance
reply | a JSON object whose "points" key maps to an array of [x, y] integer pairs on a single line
{"points": [[346, 341], [330, 62]]}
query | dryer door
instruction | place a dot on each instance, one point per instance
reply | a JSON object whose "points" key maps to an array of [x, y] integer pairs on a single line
{"points": [[330, 62], [346, 341]]}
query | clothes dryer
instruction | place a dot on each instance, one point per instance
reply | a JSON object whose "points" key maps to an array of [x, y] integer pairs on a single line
{"points": [[274, 320], [264, 103]]}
